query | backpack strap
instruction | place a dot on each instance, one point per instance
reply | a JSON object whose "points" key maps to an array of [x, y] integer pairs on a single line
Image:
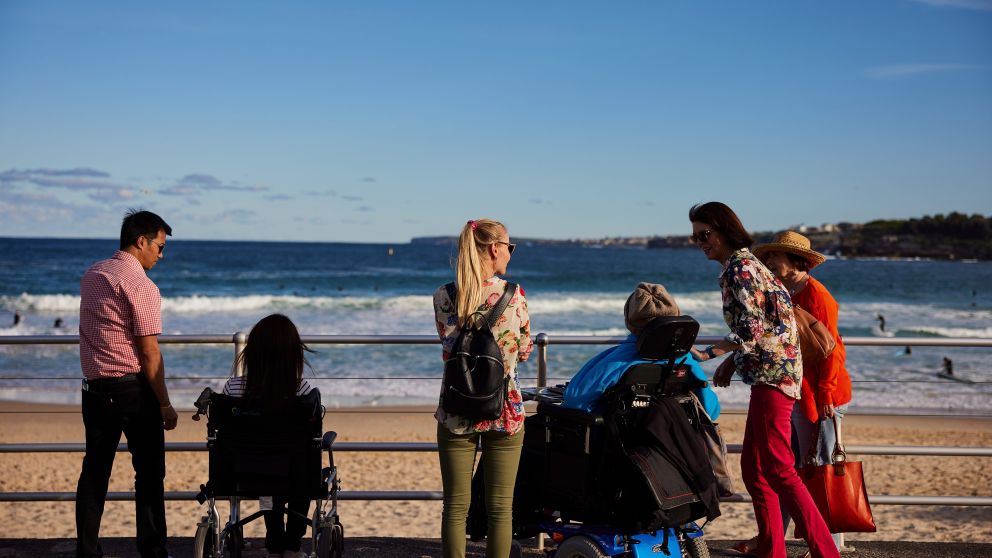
{"points": [[508, 291]]}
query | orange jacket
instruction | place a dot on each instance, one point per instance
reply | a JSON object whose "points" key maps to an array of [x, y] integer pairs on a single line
{"points": [[826, 382]]}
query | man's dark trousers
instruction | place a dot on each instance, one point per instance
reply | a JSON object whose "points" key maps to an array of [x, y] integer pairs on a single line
{"points": [[112, 407]]}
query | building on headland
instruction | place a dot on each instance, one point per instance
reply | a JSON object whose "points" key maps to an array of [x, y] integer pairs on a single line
{"points": [[952, 237]]}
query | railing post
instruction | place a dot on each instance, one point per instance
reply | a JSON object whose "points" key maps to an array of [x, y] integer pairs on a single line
{"points": [[542, 359], [240, 340], [542, 381]]}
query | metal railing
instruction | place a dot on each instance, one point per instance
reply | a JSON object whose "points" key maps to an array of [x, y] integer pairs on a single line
{"points": [[542, 342]]}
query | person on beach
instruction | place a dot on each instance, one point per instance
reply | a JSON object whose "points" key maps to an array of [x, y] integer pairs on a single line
{"points": [[484, 250], [124, 387], [826, 385], [273, 361], [764, 342]]}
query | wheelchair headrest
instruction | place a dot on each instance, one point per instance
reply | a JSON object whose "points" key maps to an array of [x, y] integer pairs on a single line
{"points": [[667, 337]]}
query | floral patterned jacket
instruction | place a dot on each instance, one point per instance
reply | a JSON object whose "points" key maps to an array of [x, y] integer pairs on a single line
{"points": [[512, 333], [758, 310]]}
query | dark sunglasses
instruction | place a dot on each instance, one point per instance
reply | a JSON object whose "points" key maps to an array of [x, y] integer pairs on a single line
{"points": [[161, 247], [701, 236], [509, 246]]}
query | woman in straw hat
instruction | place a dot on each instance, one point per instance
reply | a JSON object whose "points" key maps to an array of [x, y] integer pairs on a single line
{"points": [[826, 386], [764, 340]]}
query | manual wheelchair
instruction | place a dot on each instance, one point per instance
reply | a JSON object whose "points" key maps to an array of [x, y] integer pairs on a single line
{"points": [[260, 453]]}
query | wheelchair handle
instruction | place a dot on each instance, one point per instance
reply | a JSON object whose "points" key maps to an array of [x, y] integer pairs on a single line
{"points": [[202, 402]]}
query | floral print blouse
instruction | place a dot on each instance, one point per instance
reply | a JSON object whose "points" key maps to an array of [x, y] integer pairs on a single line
{"points": [[758, 310], [512, 333]]}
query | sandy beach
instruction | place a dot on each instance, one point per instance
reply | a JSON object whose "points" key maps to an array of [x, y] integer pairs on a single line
{"points": [[33, 423]]}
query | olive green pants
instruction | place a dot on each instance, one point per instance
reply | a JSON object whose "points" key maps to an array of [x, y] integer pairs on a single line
{"points": [[500, 456]]}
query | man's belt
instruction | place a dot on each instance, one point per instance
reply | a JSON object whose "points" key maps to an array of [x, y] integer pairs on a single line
{"points": [[100, 383]]}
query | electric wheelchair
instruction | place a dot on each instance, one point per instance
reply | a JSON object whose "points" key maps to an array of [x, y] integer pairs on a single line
{"points": [[629, 480], [258, 453]]}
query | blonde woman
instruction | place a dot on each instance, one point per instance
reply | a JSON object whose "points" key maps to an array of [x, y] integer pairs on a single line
{"points": [[484, 251]]}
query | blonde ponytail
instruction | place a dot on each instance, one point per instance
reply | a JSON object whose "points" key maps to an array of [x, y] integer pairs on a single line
{"points": [[473, 242]]}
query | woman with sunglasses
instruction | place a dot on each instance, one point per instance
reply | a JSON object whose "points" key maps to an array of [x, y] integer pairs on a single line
{"points": [[764, 342], [484, 250]]}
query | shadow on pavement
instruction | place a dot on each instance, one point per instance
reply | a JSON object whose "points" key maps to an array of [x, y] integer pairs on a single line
{"points": [[388, 547]]}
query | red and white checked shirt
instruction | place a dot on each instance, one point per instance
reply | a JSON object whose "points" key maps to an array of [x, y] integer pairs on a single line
{"points": [[118, 303]]}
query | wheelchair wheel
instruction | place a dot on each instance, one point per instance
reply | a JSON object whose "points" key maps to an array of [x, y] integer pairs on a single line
{"points": [[203, 542], [695, 548], [330, 540], [337, 538], [235, 542], [579, 546]]}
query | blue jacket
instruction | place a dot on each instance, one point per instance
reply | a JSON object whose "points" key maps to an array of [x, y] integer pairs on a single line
{"points": [[604, 370]]}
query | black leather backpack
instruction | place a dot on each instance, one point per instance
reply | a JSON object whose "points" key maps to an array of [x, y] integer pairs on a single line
{"points": [[475, 383]]}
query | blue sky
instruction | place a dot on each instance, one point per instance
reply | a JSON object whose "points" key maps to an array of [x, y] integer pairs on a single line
{"points": [[379, 121]]}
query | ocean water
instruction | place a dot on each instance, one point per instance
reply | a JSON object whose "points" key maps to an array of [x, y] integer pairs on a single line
{"points": [[330, 288]]}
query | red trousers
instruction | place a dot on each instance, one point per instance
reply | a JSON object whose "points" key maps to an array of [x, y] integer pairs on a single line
{"points": [[768, 468]]}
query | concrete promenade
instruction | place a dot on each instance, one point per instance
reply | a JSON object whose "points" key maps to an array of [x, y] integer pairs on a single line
{"points": [[384, 547]]}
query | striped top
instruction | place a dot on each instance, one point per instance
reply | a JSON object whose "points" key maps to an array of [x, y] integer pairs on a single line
{"points": [[235, 387], [117, 304]]}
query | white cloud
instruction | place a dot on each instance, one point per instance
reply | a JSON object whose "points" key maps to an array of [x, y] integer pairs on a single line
{"points": [[909, 70], [983, 5], [31, 209], [238, 216], [209, 182], [178, 190], [70, 179], [112, 195], [328, 193]]}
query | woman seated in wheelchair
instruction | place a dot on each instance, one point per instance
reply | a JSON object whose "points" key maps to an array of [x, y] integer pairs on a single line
{"points": [[273, 361], [647, 302]]}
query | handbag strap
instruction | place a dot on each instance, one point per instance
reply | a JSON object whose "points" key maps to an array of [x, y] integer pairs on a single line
{"points": [[839, 455]]}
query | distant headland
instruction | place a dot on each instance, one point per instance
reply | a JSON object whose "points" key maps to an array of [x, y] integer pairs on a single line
{"points": [[955, 236]]}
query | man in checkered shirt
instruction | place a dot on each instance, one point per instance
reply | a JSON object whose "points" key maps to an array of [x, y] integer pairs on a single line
{"points": [[124, 384]]}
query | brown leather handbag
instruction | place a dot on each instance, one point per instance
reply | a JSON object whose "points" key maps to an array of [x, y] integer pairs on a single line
{"points": [[815, 340], [838, 489]]}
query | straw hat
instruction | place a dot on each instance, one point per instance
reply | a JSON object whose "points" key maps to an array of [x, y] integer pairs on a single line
{"points": [[792, 243], [647, 302]]}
